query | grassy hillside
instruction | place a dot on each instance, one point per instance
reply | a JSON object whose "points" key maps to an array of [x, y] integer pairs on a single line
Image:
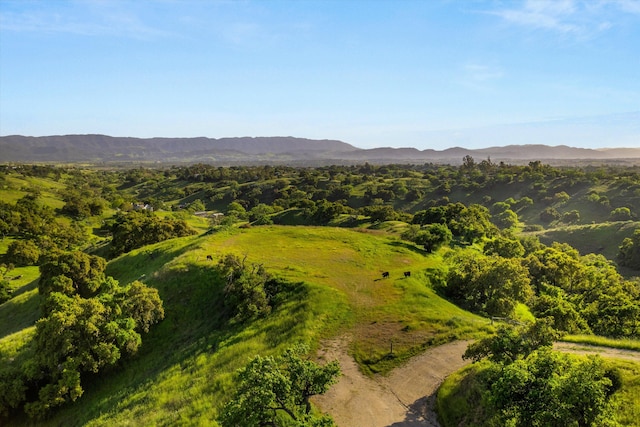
{"points": [[185, 368], [602, 238]]}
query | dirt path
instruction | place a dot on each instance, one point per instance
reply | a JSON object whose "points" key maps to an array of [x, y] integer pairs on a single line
{"points": [[586, 349], [406, 397]]}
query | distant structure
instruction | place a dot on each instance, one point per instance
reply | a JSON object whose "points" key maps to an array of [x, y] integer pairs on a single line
{"points": [[209, 214], [142, 207]]}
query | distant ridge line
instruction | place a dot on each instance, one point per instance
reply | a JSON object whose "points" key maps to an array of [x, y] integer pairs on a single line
{"points": [[96, 148]]}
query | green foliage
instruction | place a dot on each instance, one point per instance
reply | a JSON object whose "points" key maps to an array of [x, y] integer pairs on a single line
{"points": [[380, 213], [260, 214], [23, 253], [323, 211], [583, 290], [236, 210], [433, 236], [620, 214], [511, 343], [629, 251], [81, 206], [275, 391], [553, 304], [72, 273], [245, 294], [89, 322], [142, 304], [136, 229], [549, 214], [5, 290], [527, 384], [5, 286], [571, 217], [490, 285], [505, 247], [506, 219], [468, 223], [550, 389], [338, 266]]}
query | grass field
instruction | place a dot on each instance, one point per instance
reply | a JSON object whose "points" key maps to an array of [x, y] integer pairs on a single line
{"points": [[603, 238]]}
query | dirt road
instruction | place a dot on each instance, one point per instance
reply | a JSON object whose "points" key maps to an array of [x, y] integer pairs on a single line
{"points": [[406, 397]]}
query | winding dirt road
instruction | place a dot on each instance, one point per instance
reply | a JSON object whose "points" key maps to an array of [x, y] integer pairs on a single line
{"points": [[406, 397]]}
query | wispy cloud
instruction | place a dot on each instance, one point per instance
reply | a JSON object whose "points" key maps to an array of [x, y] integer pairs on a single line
{"points": [[554, 15], [480, 77], [482, 73], [629, 6], [84, 18], [580, 18]]}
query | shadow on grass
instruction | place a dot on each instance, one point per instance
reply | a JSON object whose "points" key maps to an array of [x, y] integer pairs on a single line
{"points": [[195, 323], [21, 311]]}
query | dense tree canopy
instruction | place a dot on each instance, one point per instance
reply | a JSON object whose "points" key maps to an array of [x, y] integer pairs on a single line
{"points": [[89, 322], [528, 384], [133, 229], [490, 285]]}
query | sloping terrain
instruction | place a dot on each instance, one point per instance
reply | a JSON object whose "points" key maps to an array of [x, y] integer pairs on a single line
{"points": [[184, 371]]}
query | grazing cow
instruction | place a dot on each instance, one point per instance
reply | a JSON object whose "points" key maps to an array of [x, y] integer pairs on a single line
{"points": [[385, 274], [17, 277], [407, 274], [209, 258]]}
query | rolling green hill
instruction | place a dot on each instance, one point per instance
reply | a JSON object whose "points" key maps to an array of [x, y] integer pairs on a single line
{"points": [[185, 368], [186, 365]]}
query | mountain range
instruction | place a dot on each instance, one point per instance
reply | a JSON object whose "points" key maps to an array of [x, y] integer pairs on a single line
{"points": [[291, 150]]}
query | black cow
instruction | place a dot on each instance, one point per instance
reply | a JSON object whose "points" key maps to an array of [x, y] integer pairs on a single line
{"points": [[209, 258], [407, 274], [385, 274]]}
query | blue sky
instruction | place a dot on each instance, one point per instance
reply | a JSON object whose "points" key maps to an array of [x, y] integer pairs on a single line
{"points": [[404, 73]]}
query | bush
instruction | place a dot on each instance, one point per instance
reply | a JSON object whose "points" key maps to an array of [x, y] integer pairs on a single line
{"points": [[244, 293], [549, 214], [620, 214]]}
